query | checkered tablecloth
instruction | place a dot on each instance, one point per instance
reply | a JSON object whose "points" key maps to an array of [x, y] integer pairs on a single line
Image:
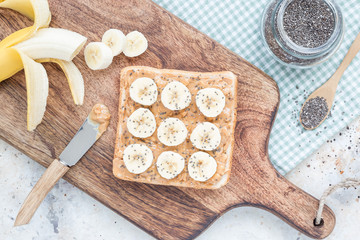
{"points": [[236, 25]]}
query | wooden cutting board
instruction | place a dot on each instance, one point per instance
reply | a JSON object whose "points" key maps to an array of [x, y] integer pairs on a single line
{"points": [[164, 212]]}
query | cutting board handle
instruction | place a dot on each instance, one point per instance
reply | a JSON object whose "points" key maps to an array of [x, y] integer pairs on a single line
{"points": [[47, 181], [295, 207]]}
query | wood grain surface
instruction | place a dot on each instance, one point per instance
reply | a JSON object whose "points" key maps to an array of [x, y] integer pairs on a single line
{"points": [[164, 212]]}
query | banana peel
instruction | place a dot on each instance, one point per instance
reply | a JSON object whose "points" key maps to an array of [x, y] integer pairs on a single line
{"points": [[37, 10], [10, 63], [74, 77], [24, 7]]}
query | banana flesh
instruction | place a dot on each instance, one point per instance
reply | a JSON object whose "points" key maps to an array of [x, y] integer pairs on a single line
{"points": [[37, 88], [55, 43]]}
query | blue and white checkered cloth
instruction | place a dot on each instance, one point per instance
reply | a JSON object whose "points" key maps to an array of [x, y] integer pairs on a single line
{"points": [[236, 25]]}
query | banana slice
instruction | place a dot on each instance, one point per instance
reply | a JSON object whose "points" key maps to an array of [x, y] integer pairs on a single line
{"points": [[141, 123], [170, 164], [137, 158], [206, 136], [136, 44], [201, 166], [98, 56], [176, 96], [172, 132], [115, 40], [210, 101], [144, 91]]}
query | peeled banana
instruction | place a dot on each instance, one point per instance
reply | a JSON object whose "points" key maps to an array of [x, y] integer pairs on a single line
{"points": [[18, 51], [54, 43]]}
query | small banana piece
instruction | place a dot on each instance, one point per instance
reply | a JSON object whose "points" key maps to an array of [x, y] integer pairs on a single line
{"points": [[206, 136], [172, 132], [115, 40], [98, 56], [170, 164], [55, 43], [37, 88], [136, 44], [137, 158], [201, 166], [141, 123], [144, 91], [176, 96], [210, 101]]}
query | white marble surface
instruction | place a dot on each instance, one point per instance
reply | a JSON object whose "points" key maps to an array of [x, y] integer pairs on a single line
{"points": [[67, 213]]}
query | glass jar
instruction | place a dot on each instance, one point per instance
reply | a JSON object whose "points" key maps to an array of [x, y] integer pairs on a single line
{"points": [[299, 36]]}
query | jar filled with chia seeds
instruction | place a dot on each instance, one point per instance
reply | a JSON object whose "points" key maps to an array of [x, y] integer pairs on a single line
{"points": [[302, 33]]}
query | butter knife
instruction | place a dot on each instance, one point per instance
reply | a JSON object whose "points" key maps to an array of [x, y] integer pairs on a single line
{"points": [[90, 131]]}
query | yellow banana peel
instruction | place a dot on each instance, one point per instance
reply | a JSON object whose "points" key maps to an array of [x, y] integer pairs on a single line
{"points": [[74, 77], [38, 10], [22, 6], [10, 63]]}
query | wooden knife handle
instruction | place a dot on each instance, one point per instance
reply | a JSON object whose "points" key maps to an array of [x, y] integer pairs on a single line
{"points": [[47, 181]]}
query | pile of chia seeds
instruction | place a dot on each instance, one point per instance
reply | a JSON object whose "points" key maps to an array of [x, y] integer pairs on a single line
{"points": [[313, 112], [309, 23]]}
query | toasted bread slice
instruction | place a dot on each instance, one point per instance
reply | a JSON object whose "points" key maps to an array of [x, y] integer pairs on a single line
{"points": [[191, 116]]}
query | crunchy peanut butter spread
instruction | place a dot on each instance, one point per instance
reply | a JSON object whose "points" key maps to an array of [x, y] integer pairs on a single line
{"points": [[191, 116], [100, 114]]}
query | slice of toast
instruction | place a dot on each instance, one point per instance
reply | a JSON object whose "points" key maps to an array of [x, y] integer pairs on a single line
{"points": [[191, 116]]}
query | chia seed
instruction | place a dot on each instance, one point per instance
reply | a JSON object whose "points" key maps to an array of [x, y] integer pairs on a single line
{"points": [[309, 23], [314, 112]]}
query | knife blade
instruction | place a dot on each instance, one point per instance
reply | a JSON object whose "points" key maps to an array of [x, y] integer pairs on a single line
{"points": [[81, 143], [90, 131]]}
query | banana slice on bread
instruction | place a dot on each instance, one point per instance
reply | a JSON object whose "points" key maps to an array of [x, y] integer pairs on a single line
{"points": [[141, 123], [172, 132], [137, 158], [144, 91], [206, 136], [210, 101], [170, 164], [176, 96], [201, 166]]}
